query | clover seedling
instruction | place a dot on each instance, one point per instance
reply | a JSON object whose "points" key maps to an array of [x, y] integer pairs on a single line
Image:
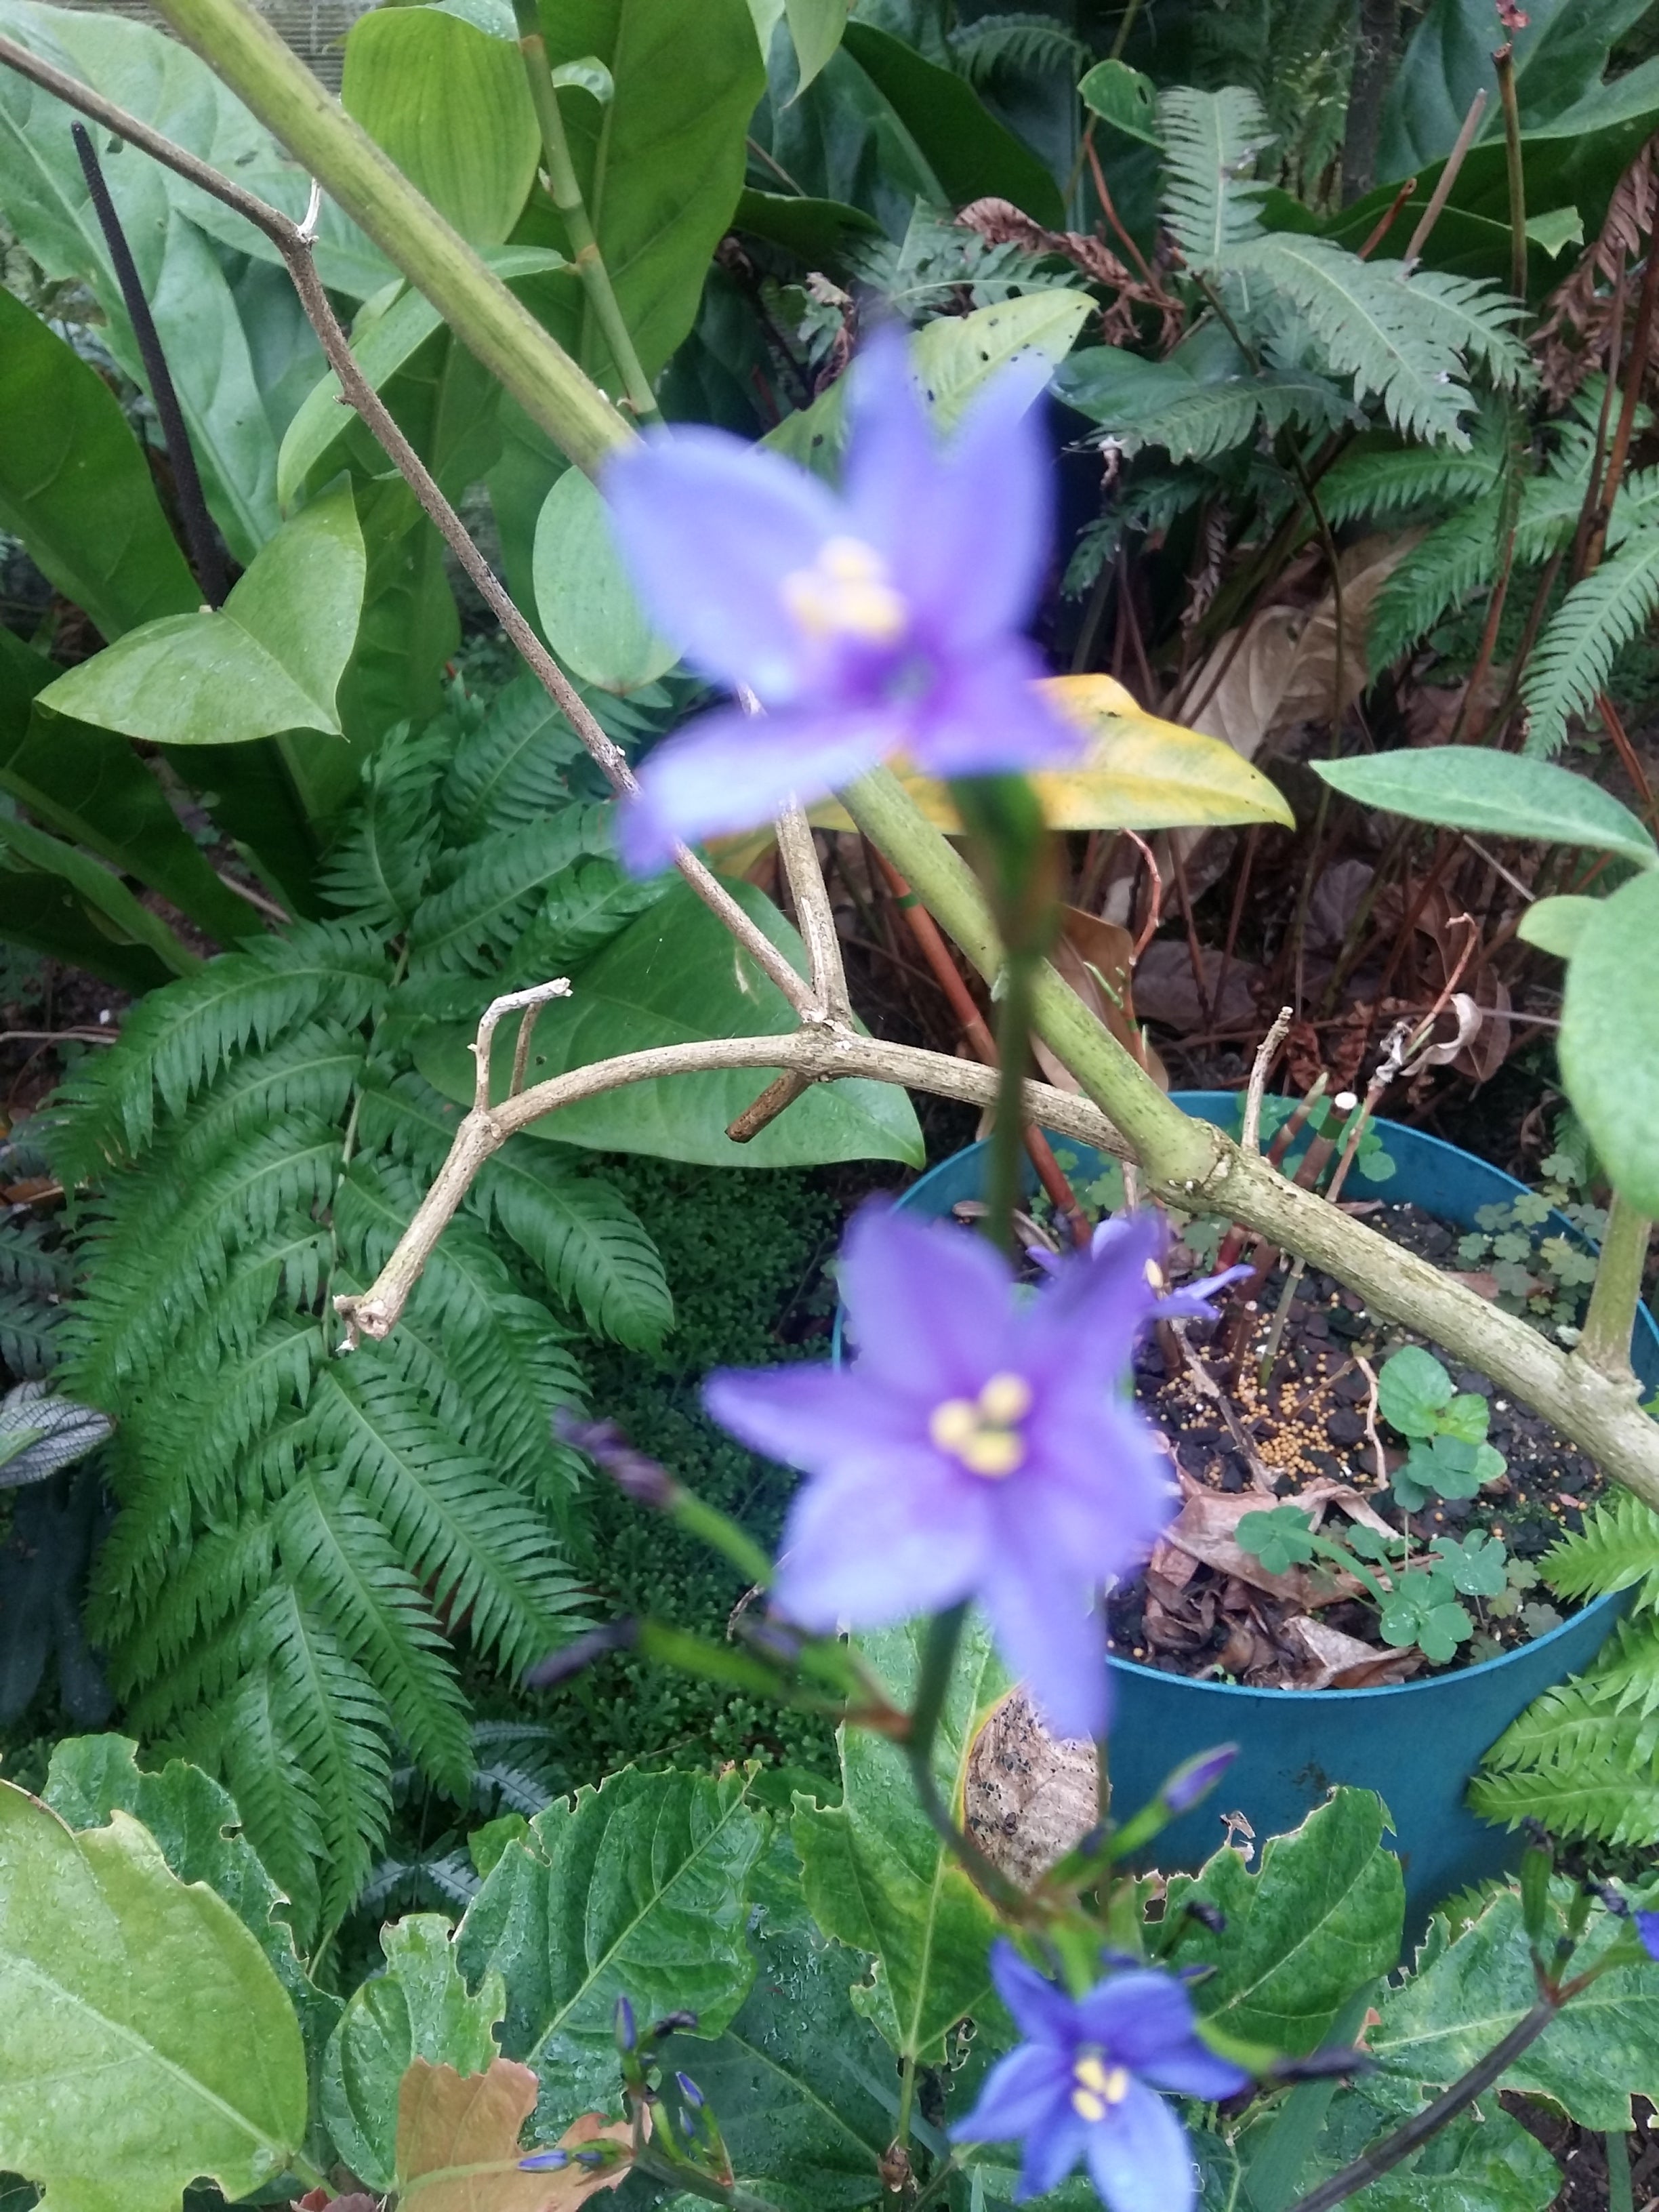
{"points": [[1449, 1456], [1422, 1610], [1416, 1606], [1477, 1563], [1280, 1538]]}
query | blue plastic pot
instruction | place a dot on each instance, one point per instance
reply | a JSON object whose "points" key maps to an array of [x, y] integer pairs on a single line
{"points": [[1416, 1743]]}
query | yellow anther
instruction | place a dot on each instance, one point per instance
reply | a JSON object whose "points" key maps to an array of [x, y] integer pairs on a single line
{"points": [[954, 1424], [1005, 1400], [1155, 1274], [1117, 2085], [993, 1452], [845, 593], [1087, 2106], [1092, 2074]]}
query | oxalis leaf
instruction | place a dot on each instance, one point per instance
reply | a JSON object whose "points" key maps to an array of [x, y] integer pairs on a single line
{"points": [[877, 1875], [269, 659], [1322, 1917], [144, 2038], [1609, 1044], [636, 1889], [1467, 1995]]}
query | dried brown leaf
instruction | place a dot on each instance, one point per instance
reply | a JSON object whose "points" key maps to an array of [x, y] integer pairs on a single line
{"points": [[458, 2144], [1030, 1797]]}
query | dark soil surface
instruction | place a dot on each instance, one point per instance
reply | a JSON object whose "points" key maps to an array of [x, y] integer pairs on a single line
{"points": [[1583, 2156]]}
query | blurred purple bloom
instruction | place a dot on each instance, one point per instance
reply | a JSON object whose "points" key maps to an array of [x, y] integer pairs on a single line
{"points": [[1186, 1301], [979, 1446], [1083, 2085], [1193, 1781], [883, 620], [1647, 1927]]}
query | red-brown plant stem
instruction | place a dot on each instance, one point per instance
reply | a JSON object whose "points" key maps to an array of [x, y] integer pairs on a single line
{"points": [[1628, 753], [976, 1035], [1641, 339], [1447, 178], [1388, 221], [1113, 216], [1587, 513]]}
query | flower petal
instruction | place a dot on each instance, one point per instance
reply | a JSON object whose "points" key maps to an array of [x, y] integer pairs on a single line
{"points": [[1137, 2017], [1000, 488], [1024, 2091], [803, 1416], [1647, 1928], [709, 526], [982, 715], [879, 1546], [1052, 2152], [1041, 2007], [730, 771], [929, 1307], [1051, 1635], [1139, 2158]]}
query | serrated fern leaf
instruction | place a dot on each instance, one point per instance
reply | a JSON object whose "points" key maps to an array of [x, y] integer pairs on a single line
{"points": [[275, 1794], [488, 1561], [1599, 616], [1016, 44], [1617, 1547], [587, 904], [483, 908], [513, 766], [1577, 1764], [1211, 141], [176, 1040], [347, 1571], [310, 1075], [1380, 482], [1626, 1670], [222, 1572], [1457, 557], [593, 1250], [407, 1119], [379, 868]]}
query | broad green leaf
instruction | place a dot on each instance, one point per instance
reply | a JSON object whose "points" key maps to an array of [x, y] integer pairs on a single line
{"points": [[420, 2007], [671, 976], [269, 659], [1468, 1994], [1122, 96], [406, 635], [1138, 772], [954, 358], [1555, 925], [806, 2090], [93, 788], [1414, 1393], [660, 167], [590, 613], [1561, 226], [972, 156], [1500, 794], [815, 31], [1322, 1917], [451, 106], [1609, 1044], [98, 890], [636, 1889], [39, 910], [144, 2039], [389, 332], [877, 1877], [75, 485], [817, 232], [1484, 2161]]}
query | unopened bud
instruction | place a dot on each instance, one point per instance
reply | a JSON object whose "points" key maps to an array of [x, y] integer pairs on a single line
{"points": [[580, 1652], [627, 2038], [689, 2091], [634, 1474], [1198, 1778], [545, 2161]]}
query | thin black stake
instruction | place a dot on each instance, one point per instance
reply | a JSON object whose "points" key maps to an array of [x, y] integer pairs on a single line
{"points": [[206, 554]]}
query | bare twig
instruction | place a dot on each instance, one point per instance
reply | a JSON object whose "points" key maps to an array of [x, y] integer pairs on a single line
{"points": [[1250, 1137], [814, 917], [1447, 178]]}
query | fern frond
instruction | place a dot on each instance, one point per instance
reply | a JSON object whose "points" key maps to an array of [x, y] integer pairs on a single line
{"points": [[378, 870], [1626, 1669], [1598, 617], [483, 908], [177, 1039], [1212, 202], [1576, 1764], [1617, 1547], [1378, 481], [275, 1796], [587, 904], [1455, 558], [333, 1723], [1408, 342], [514, 766], [1030, 45], [222, 1572], [486, 1557], [593, 1250], [311, 1074], [346, 1571], [200, 1427], [407, 1118]]}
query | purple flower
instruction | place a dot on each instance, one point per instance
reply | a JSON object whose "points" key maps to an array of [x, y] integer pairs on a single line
{"points": [[1189, 1785], [1647, 1927], [1083, 2083], [885, 620], [1186, 1301], [979, 1446]]}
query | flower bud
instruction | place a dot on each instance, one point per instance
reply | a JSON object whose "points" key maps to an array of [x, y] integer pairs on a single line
{"points": [[627, 2035], [689, 2091], [544, 2162], [1188, 1783]]}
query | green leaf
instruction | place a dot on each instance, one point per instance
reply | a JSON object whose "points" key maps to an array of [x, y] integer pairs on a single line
{"points": [[1477, 1563], [1609, 1042], [671, 976], [75, 485], [594, 1251], [636, 1889], [590, 613], [815, 31], [1322, 1917], [269, 659], [1413, 1392], [40, 911], [420, 2007], [816, 231], [972, 156], [954, 358], [1280, 1538], [1468, 1994], [1556, 925], [1560, 227], [1575, 655], [1211, 140], [1124, 98], [451, 106], [1483, 2161], [1500, 794], [390, 331], [99, 892], [661, 167], [144, 2039], [877, 1875]]}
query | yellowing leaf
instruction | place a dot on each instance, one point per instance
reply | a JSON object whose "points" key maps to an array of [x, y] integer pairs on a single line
{"points": [[458, 2144], [1139, 773]]}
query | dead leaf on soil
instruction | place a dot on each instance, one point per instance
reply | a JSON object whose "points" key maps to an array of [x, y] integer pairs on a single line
{"points": [[1030, 1797], [1337, 1661], [458, 2144]]}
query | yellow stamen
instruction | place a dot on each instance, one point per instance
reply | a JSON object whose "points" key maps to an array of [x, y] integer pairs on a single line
{"points": [[1117, 2085], [845, 593], [1005, 1400], [954, 1424], [1092, 2074], [984, 1433], [1087, 2106], [993, 1452]]}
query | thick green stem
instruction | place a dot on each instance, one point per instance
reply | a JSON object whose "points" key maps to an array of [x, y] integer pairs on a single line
{"points": [[1605, 1343], [586, 257], [244, 50], [1189, 1164]]}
